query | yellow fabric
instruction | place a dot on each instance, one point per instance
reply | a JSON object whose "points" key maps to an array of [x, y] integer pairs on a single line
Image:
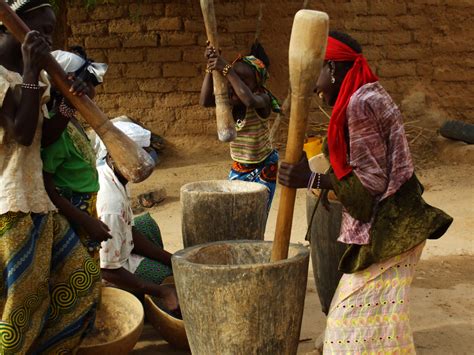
{"points": [[49, 289]]}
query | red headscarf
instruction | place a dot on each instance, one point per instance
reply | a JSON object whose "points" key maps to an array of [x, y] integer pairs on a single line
{"points": [[359, 75]]}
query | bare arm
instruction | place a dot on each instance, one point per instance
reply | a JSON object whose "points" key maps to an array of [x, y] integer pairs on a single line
{"points": [[298, 175], [258, 101], [144, 247], [94, 227], [249, 99], [126, 280], [20, 119], [207, 98], [53, 127]]}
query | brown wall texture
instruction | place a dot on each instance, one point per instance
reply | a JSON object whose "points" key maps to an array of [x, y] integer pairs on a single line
{"points": [[421, 49]]}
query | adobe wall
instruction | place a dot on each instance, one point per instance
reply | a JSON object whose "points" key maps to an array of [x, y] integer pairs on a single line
{"points": [[421, 49]]}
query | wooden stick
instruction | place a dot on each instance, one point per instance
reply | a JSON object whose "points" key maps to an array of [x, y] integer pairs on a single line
{"points": [[133, 162], [307, 49], [328, 116], [225, 121], [258, 30]]}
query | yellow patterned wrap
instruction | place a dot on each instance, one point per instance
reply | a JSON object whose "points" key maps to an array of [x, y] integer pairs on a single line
{"points": [[49, 287], [369, 313]]}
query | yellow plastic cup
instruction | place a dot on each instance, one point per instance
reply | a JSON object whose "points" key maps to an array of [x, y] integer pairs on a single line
{"points": [[313, 146]]}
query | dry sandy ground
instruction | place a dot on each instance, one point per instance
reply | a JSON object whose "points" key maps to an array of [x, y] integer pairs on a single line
{"points": [[442, 305]]}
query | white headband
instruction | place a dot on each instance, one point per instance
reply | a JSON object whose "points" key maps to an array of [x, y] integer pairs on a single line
{"points": [[71, 62]]}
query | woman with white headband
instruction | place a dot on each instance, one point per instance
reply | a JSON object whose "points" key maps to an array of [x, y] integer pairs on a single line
{"points": [[49, 285], [69, 171]]}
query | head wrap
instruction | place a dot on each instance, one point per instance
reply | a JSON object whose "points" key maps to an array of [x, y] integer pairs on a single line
{"points": [[261, 73], [24, 6], [136, 133], [359, 75], [72, 63]]}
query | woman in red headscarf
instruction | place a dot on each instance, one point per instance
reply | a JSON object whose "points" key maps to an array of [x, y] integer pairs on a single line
{"points": [[385, 221]]}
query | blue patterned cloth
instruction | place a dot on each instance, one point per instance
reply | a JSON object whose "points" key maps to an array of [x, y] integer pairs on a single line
{"points": [[264, 173]]}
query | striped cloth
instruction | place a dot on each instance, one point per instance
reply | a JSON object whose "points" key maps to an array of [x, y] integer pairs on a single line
{"points": [[379, 154], [252, 145]]}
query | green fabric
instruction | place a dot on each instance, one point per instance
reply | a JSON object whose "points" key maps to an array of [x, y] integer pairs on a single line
{"points": [[357, 200], [70, 163], [402, 221], [147, 226], [149, 269]]}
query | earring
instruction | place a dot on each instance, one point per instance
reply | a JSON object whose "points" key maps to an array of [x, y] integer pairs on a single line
{"points": [[332, 70]]}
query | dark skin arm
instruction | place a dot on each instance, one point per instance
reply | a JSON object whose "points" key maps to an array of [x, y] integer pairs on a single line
{"points": [[241, 88], [53, 127], [144, 247], [20, 119], [298, 175], [125, 279], [95, 228], [258, 101], [242, 81], [207, 99]]}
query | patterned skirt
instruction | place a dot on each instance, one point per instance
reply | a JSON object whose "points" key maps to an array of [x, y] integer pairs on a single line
{"points": [[149, 269], [264, 173], [86, 202], [49, 289], [370, 311]]}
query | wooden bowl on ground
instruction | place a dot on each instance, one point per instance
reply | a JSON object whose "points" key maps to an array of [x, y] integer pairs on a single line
{"points": [[170, 328], [118, 325]]}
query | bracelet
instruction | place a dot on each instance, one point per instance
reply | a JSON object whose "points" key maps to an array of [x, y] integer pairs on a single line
{"points": [[226, 69], [67, 111], [318, 182], [30, 86], [208, 71]]}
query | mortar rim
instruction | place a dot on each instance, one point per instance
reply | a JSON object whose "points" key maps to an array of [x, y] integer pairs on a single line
{"points": [[258, 188], [179, 257]]}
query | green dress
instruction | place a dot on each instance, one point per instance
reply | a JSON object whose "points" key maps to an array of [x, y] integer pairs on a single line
{"points": [[149, 269], [401, 221]]}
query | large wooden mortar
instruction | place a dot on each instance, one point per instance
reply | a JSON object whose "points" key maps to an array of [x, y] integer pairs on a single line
{"points": [[326, 251], [235, 301], [220, 210]]}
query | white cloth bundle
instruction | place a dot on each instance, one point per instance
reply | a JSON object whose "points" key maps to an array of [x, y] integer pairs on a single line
{"points": [[71, 62], [136, 133]]}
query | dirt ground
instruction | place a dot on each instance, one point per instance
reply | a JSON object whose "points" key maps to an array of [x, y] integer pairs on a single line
{"points": [[442, 305]]}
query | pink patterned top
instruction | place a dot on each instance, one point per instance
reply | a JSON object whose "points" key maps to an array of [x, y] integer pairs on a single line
{"points": [[378, 153]]}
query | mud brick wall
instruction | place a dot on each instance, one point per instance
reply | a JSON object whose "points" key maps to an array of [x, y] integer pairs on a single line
{"points": [[421, 49]]}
